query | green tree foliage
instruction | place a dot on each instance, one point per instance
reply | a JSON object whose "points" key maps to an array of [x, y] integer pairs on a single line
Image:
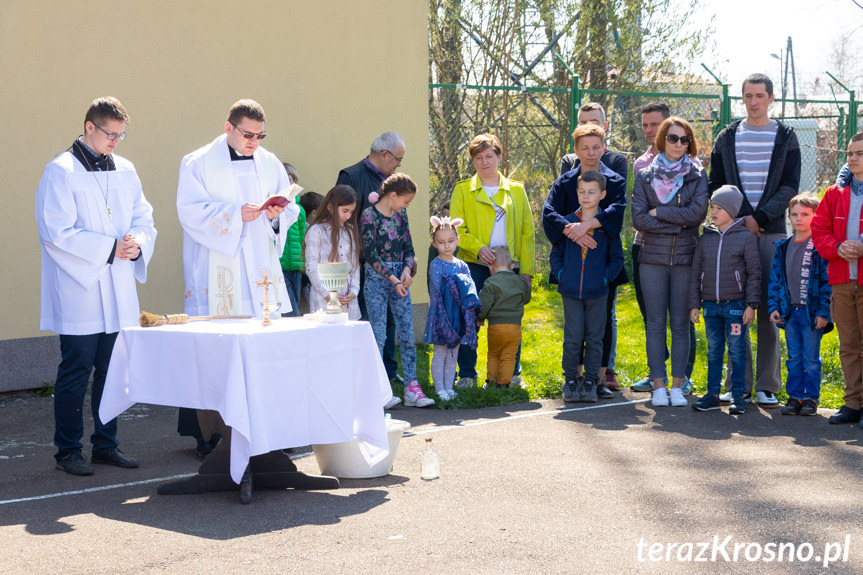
{"points": [[610, 44]]}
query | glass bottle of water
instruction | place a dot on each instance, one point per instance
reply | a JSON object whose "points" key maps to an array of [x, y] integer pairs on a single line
{"points": [[429, 463]]}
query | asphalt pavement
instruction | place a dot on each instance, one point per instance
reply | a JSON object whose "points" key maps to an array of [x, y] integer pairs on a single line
{"points": [[539, 487]]}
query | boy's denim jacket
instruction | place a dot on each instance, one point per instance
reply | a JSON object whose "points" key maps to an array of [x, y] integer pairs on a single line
{"points": [[818, 290]]}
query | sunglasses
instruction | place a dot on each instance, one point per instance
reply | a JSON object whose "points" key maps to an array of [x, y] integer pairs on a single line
{"points": [[250, 135], [674, 138]]}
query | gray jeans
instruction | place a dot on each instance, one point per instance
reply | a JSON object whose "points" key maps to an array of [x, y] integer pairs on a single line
{"points": [[665, 290], [583, 323]]}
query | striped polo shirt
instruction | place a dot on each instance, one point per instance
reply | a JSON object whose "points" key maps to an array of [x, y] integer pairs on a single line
{"points": [[753, 146]]}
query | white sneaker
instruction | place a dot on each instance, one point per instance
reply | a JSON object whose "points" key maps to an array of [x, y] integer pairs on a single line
{"points": [[414, 396], [727, 398], [392, 403], [766, 399], [660, 397], [677, 398], [466, 382], [517, 381]]}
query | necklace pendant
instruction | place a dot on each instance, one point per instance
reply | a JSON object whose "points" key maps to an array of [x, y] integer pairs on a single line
{"points": [[108, 211]]}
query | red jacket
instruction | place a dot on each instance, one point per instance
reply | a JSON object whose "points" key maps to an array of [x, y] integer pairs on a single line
{"points": [[829, 230]]}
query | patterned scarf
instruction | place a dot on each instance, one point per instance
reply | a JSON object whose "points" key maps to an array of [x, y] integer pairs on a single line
{"points": [[667, 177]]}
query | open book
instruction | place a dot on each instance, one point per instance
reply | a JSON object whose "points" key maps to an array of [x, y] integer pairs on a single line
{"points": [[282, 198]]}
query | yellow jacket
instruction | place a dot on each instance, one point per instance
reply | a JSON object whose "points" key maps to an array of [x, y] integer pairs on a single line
{"points": [[470, 202]]}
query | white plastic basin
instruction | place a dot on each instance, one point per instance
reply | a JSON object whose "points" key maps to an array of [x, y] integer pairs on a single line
{"points": [[344, 460]]}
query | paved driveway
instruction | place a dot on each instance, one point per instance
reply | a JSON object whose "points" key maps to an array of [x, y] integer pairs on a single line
{"points": [[540, 487]]}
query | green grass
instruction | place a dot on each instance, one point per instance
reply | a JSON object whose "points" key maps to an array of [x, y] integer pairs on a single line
{"points": [[542, 336]]}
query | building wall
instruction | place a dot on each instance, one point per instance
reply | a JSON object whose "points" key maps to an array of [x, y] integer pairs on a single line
{"points": [[330, 75]]}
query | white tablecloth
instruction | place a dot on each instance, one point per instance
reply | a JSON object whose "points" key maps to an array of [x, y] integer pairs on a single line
{"points": [[294, 383]]}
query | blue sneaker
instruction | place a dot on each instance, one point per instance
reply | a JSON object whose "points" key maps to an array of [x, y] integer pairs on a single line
{"points": [[687, 386], [707, 403], [645, 385], [738, 406]]}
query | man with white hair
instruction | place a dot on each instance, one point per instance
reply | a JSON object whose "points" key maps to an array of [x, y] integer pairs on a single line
{"points": [[366, 176], [386, 154]]}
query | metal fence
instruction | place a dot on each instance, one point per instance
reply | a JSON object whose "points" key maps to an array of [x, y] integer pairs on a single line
{"points": [[534, 126]]}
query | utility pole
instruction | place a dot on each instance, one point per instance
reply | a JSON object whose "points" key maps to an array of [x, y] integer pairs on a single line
{"points": [[789, 57]]}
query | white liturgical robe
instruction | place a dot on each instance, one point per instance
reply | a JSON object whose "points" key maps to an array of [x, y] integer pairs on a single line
{"points": [[81, 292], [223, 257]]}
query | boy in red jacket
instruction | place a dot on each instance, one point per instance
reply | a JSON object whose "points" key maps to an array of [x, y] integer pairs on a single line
{"points": [[836, 232]]}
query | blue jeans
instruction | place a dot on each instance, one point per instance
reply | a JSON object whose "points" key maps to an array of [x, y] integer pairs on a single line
{"points": [[390, 363], [804, 356], [80, 355], [380, 294], [293, 282], [723, 321], [467, 356]]}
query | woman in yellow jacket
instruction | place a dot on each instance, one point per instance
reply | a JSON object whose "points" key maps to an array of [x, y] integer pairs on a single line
{"points": [[496, 212]]}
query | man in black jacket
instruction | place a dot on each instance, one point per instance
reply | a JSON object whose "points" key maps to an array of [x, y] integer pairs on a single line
{"points": [[386, 154], [762, 158]]}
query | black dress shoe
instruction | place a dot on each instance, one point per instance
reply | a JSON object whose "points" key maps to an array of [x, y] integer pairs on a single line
{"points": [[204, 448], [114, 457], [845, 415], [602, 391], [75, 464]]}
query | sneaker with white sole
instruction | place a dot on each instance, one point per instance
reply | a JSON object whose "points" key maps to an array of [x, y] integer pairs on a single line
{"points": [[414, 396], [660, 397], [687, 386], [727, 398], [707, 403], [392, 402], [766, 399], [645, 384], [676, 398]]}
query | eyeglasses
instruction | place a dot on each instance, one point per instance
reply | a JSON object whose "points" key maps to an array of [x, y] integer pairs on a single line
{"points": [[250, 135], [399, 160], [674, 138], [109, 135]]}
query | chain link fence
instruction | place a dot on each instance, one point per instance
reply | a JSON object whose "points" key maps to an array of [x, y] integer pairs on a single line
{"points": [[534, 126]]}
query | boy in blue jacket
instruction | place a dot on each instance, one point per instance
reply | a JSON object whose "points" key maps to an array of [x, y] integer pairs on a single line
{"points": [[799, 301], [583, 276]]}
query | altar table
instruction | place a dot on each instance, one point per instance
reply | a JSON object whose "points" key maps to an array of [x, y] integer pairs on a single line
{"points": [[293, 383]]}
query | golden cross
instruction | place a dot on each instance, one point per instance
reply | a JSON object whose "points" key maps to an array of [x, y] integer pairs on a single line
{"points": [[266, 285]]}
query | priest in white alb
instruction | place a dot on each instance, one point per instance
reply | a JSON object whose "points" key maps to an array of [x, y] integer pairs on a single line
{"points": [[229, 243], [97, 235]]}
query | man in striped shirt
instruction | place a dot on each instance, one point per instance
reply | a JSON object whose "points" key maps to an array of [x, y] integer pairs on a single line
{"points": [[761, 157]]}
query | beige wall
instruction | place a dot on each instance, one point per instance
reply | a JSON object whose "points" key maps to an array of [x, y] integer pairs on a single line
{"points": [[330, 74]]}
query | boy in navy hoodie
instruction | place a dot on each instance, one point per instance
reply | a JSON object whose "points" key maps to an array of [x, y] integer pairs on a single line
{"points": [[583, 276], [798, 300]]}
